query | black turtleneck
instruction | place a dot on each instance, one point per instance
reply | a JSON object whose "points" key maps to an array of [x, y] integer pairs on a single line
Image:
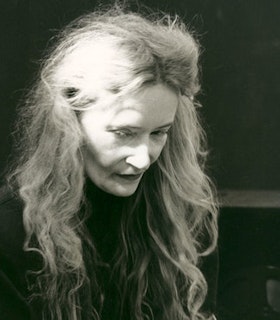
{"points": [[103, 223], [104, 220]]}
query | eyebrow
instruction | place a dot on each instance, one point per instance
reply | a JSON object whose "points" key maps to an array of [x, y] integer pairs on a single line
{"points": [[136, 127], [165, 125], [169, 124]]}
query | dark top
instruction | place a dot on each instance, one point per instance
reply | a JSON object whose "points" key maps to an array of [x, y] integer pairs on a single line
{"points": [[14, 262]]}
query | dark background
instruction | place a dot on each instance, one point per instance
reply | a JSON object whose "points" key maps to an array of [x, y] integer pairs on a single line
{"points": [[241, 112], [240, 76]]}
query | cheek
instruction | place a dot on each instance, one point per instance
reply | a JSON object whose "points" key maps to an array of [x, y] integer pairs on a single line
{"points": [[158, 148], [98, 154], [102, 151]]}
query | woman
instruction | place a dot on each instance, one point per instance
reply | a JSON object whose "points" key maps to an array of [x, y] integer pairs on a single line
{"points": [[112, 211]]}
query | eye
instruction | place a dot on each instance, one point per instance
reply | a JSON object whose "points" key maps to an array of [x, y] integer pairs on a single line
{"points": [[70, 92], [160, 133], [122, 133]]}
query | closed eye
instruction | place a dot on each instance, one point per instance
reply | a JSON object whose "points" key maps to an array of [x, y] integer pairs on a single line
{"points": [[161, 132], [123, 133]]}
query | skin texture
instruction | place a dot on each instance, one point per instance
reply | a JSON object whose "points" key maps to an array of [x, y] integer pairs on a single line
{"points": [[124, 138]]}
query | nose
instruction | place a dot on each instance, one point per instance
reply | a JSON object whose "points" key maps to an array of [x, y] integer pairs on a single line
{"points": [[140, 158]]}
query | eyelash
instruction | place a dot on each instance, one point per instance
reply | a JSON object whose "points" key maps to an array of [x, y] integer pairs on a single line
{"points": [[160, 132], [125, 133]]}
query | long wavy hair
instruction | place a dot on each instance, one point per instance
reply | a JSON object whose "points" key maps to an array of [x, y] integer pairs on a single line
{"points": [[170, 222]]}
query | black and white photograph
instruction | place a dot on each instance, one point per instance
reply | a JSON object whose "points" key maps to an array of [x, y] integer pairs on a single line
{"points": [[139, 160]]}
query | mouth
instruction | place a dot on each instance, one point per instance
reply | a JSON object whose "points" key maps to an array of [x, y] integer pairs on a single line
{"points": [[130, 177]]}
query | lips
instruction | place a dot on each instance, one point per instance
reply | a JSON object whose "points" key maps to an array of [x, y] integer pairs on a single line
{"points": [[130, 177]]}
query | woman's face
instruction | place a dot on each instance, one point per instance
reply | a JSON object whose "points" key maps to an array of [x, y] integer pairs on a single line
{"points": [[124, 139]]}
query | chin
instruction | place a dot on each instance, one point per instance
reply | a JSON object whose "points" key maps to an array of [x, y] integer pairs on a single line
{"points": [[122, 192]]}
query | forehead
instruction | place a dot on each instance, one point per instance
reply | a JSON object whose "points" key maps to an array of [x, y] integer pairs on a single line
{"points": [[150, 106]]}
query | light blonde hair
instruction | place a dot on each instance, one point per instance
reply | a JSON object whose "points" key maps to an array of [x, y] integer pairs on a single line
{"points": [[171, 220]]}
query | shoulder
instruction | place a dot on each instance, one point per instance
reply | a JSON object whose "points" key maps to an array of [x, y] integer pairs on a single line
{"points": [[9, 198], [13, 260], [11, 208], [210, 269], [11, 224]]}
